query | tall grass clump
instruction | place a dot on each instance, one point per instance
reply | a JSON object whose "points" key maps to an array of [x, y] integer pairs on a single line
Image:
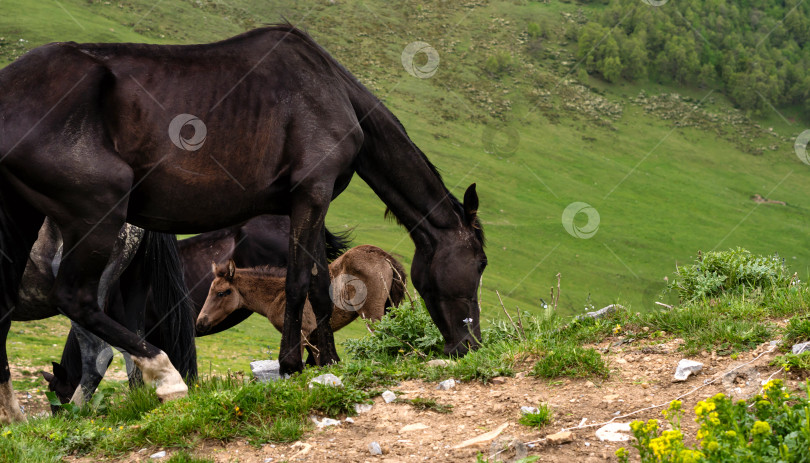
{"points": [[736, 271]]}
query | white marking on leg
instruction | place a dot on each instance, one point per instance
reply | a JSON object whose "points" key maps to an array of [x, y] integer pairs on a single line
{"points": [[159, 370]]}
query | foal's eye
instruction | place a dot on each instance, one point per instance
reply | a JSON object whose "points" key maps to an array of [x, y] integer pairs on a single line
{"points": [[224, 293]]}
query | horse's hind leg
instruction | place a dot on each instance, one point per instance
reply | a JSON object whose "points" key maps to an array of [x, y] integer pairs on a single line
{"points": [[19, 227]]}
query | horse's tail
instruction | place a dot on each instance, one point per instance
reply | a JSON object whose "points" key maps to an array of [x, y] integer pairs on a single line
{"points": [[173, 330], [337, 243], [15, 246], [398, 284]]}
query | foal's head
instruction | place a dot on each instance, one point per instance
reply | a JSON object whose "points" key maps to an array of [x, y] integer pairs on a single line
{"points": [[223, 297]]}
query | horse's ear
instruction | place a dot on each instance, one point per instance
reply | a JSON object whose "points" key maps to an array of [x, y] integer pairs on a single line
{"points": [[231, 269], [48, 377], [59, 371], [214, 268], [470, 204]]}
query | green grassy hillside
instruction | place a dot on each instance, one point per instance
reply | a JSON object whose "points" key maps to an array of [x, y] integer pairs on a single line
{"points": [[668, 174]]}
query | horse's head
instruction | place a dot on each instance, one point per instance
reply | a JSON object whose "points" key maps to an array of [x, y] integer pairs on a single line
{"points": [[61, 383], [448, 275], [223, 297]]}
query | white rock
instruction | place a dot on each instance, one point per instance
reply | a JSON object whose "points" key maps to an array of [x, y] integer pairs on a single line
{"points": [[327, 380], [413, 427], [802, 347], [362, 408], [324, 422], [266, 371], [389, 397], [528, 410], [349, 419], [447, 384], [614, 432], [374, 448], [160, 454], [687, 367]]}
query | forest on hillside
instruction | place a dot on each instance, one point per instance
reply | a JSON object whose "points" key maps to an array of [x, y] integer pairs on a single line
{"points": [[756, 51]]}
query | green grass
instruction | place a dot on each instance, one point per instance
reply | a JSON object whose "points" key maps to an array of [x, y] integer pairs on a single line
{"points": [[538, 420], [571, 361], [421, 403]]}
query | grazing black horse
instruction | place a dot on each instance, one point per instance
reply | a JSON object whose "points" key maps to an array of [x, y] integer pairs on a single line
{"points": [[83, 140], [261, 241]]}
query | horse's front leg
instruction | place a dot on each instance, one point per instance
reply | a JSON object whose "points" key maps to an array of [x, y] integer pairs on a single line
{"points": [[307, 274]]}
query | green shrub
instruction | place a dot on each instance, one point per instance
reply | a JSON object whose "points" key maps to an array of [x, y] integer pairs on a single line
{"points": [[499, 63], [572, 361], [398, 333], [735, 271], [774, 427]]}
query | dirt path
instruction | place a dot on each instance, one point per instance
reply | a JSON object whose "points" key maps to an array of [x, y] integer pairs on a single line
{"points": [[641, 376]]}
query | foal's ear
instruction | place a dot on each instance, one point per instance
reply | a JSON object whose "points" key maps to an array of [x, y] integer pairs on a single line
{"points": [[231, 269], [470, 203], [214, 268]]}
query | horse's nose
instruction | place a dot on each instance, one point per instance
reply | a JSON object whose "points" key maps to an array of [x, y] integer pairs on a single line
{"points": [[202, 325]]}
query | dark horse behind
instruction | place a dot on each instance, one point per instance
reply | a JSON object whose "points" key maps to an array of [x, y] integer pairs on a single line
{"points": [[261, 241], [89, 137]]}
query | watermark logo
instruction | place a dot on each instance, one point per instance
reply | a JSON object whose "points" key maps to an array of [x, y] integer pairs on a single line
{"points": [[589, 229], [655, 2], [412, 61], [800, 146], [348, 292], [501, 141], [193, 143]]}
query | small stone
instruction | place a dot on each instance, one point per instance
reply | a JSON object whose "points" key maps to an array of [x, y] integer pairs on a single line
{"points": [[157, 455], [447, 384], [498, 380], [374, 448], [349, 419], [589, 384], [528, 410], [561, 437], [610, 398], [413, 427], [801, 347], [614, 432], [389, 397], [440, 363], [621, 361], [327, 380], [266, 370], [686, 368], [362, 408], [324, 422]]}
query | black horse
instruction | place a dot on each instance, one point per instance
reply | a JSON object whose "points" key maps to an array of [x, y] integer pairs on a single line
{"points": [[286, 127], [260, 241]]}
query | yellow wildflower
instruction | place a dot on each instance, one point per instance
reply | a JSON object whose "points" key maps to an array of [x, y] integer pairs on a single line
{"points": [[760, 427], [712, 446], [731, 434], [703, 408]]}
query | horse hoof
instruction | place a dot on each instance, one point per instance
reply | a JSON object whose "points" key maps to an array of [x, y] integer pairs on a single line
{"points": [[168, 392]]}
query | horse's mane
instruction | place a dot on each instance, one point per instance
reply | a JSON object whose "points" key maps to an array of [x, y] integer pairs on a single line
{"points": [[265, 270]]}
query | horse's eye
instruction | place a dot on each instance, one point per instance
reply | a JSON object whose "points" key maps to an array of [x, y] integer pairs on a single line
{"points": [[482, 265], [224, 293]]}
